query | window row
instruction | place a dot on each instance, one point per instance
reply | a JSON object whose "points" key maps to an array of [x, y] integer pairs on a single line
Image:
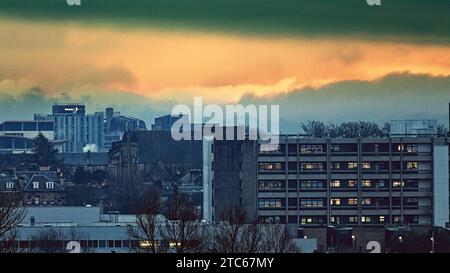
{"points": [[410, 148], [336, 166]]}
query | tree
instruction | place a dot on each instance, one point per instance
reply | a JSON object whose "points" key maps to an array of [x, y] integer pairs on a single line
{"points": [[353, 129], [48, 240], [148, 222], [80, 176], [227, 233], [44, 151], [314, 128], [235, 234], [11, 215], [276, 239], [386, 129], [183, 229], [442, 130], [54, 240]]}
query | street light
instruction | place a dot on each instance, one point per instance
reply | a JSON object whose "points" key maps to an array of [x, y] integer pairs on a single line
{"points": [[400, 238], [432, 242], [353, 241]]}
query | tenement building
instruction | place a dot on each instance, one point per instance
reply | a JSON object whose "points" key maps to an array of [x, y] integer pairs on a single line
{"points": [[320, 182]]}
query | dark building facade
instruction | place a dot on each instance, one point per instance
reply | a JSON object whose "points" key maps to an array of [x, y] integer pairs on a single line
{"points": [[311, 182], [164, 123], [146, 156]]}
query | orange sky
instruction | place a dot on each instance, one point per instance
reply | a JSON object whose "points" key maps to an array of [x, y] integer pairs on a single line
{"points": [[175, 65]]}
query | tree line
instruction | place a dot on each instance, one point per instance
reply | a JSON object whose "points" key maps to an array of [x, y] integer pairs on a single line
{"points": [[352, 129], [184, 232]]}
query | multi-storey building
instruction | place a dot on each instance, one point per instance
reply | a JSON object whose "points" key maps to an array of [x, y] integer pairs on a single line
{"points": [[76, 127], [315, 182], [17, 136], [28, 129]]}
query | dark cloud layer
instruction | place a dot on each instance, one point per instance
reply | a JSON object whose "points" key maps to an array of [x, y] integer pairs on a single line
{"points": [[410, 20]]}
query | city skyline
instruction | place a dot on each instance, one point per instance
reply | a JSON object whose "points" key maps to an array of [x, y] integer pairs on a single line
{"points": [[375, 63]]}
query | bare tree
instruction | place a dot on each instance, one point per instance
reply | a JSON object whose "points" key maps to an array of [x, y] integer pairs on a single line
{"points": [[47, 240], [314, 128], [148, 223], [54, 240], [251, 239], [227, 233], [11, 214], [236, 234], [442, 130], [276, 239], [183, 229]]}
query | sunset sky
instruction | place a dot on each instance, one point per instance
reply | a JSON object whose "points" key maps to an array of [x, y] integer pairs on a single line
{"points": [[324, 59]]}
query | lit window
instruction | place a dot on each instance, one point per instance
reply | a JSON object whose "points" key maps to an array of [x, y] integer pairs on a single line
{"points": [[312, 166], [270, 203], [366, 183], [335, 201], [366, 165], [352, 183], [366, 201], [353, 219], [335, 219], [352, 201], [9, 185], [35, 185], [366, 219], [336, 183], [411, 148], [49, 185], [336, 166], [381, 219], [397, 184], [412, 166], [309, 149], [352, 165], [270, 185]]}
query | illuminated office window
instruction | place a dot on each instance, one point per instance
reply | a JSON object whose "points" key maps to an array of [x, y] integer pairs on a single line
{"points": [[352, 183], [366, 183], [335, 201], [412, 166], [335, 183]]}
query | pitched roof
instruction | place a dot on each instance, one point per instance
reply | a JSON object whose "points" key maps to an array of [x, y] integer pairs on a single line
{"points": [[5, 180], [42, 185]]}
